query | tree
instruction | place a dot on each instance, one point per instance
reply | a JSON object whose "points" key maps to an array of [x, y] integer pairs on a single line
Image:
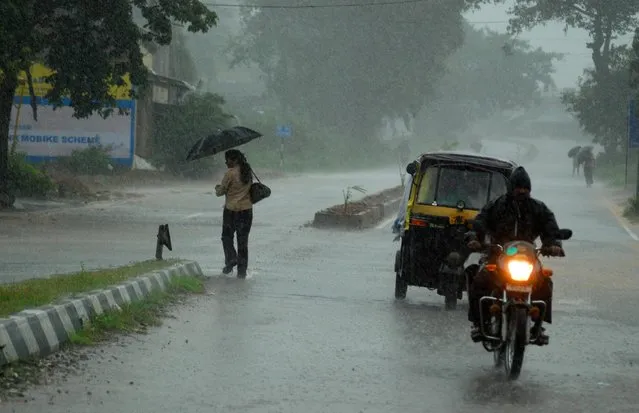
{"points": [[89, 46], [601, 106], [197, 117], [349, 67], [604, 21], [483, 79]]}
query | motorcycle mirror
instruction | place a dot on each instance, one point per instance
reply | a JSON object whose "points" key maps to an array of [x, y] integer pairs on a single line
{"points": [[411, 168], [564, 234]]}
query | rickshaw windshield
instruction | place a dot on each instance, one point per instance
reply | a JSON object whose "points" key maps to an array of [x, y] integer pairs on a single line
{"points": [[446, 186]]}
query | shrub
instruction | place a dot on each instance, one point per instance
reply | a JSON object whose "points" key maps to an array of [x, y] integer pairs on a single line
{"points": [[632, 209], [95, 160], [25, 179], [178, 128]]}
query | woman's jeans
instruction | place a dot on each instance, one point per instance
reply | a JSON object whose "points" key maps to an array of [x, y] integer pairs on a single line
{"points": [[240, 222]]}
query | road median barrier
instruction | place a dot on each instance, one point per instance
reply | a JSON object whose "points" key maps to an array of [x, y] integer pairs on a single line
{"points": [[41, 315], [362, 214]]}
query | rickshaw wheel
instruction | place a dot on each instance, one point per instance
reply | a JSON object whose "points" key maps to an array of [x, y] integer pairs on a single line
{"points": [[450, 301], [401, 286]]}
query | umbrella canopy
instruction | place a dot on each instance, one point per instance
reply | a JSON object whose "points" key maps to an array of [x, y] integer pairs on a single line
{"points": [[221, 141], [573, 151], [585, 153]]}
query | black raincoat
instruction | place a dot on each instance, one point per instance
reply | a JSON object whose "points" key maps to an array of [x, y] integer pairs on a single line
{"points": [[508, 219]]}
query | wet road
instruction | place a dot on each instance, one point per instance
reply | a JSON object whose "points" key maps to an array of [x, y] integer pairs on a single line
{"points": [[315, 327]]}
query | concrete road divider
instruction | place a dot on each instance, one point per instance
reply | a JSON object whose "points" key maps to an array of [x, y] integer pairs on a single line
{"points": [[362, 214], [39, 332]]}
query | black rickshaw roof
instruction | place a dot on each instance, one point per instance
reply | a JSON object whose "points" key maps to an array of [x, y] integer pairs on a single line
{"points": [[471, 159]]}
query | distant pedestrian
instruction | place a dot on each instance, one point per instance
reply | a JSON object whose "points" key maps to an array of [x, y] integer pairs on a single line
{"points": [[238, 211], [589, 167], [575, 165]]}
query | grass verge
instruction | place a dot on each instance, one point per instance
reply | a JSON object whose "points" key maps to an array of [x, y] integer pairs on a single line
{"points": [[136, 317], [631, 211], [17, 378], [38, 292]]}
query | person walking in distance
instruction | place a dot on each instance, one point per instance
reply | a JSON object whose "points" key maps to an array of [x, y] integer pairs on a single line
{"points": [[589, 167], [238, 211]]}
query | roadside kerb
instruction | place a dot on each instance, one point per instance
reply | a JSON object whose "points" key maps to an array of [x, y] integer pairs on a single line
{"points": [[41, 331], [368, 218]]}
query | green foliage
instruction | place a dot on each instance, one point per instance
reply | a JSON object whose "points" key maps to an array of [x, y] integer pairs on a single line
{"points": [[603, 20], [312, 146], [350, 69], [177, 129], [106, 43], [599, 103], [26, 180], [631, 211], [482, 80], [89, 46], [94, 160], [611, 168]]}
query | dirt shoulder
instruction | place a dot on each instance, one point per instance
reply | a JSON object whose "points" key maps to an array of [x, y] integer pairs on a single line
{"points": [[78, 190], [617, 200]]}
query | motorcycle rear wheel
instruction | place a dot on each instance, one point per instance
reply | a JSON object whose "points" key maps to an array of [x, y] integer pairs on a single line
{"points": [[515, 345]]}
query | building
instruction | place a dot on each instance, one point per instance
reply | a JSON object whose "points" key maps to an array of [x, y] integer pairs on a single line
{"points": [[163, 91]]}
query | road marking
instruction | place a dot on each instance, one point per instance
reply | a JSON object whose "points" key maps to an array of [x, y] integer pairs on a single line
{"points": [[193, 215], [614, 209], [384, 224], [632, 234]]}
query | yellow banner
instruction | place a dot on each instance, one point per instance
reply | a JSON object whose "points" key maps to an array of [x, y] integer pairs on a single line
{"points": [[41, 87]]}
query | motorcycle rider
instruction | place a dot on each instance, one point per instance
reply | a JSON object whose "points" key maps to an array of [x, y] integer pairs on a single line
{"points": [[511, 217]]}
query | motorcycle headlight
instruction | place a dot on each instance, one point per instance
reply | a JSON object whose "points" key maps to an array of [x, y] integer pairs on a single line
{"points": [[520, 270]]}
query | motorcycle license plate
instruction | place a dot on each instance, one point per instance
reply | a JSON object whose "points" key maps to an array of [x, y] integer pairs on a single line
{"points": [[519, 288]]}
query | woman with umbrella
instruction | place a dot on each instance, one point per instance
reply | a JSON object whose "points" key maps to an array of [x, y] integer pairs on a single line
{"points": [[238, 211], [572, 153]]}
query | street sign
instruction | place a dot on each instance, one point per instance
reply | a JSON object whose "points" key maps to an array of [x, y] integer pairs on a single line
{"points": [[633, 125], [284, 131]]}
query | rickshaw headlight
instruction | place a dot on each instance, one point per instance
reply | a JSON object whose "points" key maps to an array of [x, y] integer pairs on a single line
{"points": [[520, 270]]}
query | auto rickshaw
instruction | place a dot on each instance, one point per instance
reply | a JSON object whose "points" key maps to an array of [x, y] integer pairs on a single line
{"points": [[444, 193]]}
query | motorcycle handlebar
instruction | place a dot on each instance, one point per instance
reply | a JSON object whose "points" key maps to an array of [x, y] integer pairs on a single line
{"points": [[545, 251]]}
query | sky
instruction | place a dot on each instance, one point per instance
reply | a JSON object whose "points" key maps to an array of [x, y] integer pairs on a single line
{"points": [[551, 38]]}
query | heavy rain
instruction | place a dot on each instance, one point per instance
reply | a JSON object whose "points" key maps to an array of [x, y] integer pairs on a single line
{"points": [[116, 118]]}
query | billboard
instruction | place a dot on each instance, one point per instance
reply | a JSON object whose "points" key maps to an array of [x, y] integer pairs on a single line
{"points": [[57, 133]]}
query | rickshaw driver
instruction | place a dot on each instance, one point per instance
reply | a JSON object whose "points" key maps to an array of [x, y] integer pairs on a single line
{"points": [[462, 187], [451, 189]]}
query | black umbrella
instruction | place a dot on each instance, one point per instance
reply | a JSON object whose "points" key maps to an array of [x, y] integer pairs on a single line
{"points": [[221, 141], [572, 152], [584, 154]]}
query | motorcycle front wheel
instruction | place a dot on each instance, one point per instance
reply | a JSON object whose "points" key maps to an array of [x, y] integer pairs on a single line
{"points": [[516, 342]]}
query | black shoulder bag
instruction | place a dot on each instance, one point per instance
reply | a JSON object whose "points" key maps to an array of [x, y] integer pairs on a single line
{"points": [[258, 190]]}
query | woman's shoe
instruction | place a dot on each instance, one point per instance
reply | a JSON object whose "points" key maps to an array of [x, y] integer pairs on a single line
{"points": [[228, 268]]}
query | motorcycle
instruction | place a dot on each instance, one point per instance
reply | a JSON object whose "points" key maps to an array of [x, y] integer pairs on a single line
{"points": [[506, 326]]}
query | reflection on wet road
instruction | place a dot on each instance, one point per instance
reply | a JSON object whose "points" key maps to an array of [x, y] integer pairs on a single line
{"points": [[315, 327]]}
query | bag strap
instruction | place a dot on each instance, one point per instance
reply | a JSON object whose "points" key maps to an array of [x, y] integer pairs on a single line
{"points": [[253, 172]]}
